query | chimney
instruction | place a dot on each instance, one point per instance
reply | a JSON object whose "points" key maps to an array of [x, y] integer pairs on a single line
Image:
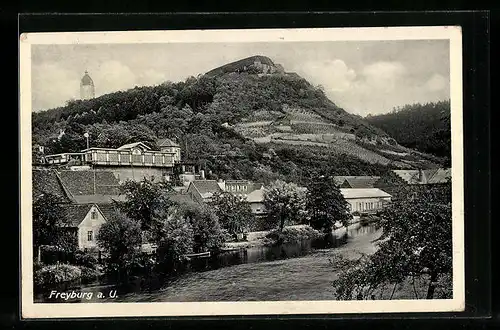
{"points": [[420, 175], [202, 174]]}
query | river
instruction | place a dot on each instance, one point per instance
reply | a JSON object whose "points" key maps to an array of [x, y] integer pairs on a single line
{"points": [[146, 287]]}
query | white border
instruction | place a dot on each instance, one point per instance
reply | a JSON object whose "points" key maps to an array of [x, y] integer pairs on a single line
{"points": [[61, 310]]}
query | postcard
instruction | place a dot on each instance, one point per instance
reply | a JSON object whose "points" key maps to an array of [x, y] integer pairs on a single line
{"points": [[241, 172]]}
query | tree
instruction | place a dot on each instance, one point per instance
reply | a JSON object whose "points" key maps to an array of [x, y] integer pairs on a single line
{"points": [[285, 203], [416, 243], [49, 222], [174, 238], [207, 233], [234, 213], [325, 204], [143, 199], [120, 237]]}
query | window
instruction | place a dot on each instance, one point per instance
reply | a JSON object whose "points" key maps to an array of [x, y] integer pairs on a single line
{"points": [[93, 215], [90, 235]]}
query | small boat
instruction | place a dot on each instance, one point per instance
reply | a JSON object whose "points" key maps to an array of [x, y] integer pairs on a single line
{"points": [[197, 255]]}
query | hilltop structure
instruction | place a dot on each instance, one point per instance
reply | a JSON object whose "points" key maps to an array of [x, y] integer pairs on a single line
{"points": [[87, 89]]}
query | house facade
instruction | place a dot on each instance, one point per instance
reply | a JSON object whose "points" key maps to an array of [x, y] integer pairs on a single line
{"points": [[365, 200], [85, 220]]}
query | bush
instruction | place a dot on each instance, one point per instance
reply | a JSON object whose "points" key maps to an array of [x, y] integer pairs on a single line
{"points": [[288, 235], [55, 274], [90, 274], [85, 259]]}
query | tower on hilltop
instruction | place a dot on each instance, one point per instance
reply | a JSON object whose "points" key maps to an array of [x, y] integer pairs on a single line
{"points": [[87, 90]]}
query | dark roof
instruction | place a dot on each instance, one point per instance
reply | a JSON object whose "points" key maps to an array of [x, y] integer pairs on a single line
{"points": [[109, 211], [86, 80], [90, 182], [75, 213], [46, 182], [206, 186], [166, 143], [356, 181]]}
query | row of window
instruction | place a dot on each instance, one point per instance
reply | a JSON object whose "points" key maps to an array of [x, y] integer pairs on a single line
{"points": [[366, 206], [237, 188]]}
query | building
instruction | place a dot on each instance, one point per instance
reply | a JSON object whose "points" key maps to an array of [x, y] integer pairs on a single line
{"points": [[77, 187], [87, 89], [202, 191], [428, 176], [356, 181], [256, 201], [134, 161], [365, 200], [85, 220]]}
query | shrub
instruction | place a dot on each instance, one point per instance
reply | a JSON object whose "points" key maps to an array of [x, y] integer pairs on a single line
{"points": [[55, 274], [85, 259], [288, 235], [89, 274]]}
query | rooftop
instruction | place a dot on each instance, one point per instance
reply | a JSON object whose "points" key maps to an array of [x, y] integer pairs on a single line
{"points": [[349, 193], [357, 181], [166, 143]]}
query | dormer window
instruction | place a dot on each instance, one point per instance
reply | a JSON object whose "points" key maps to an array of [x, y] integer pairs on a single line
{"points": [[136, 151]]}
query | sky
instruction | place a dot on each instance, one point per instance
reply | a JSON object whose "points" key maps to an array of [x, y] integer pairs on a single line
{"points": [[363, 77]]}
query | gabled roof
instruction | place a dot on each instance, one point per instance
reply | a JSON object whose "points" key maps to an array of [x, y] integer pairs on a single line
{"points": [[350, 193], [356, 181], [134, 145], [441, 175], [84, 183], [256, 196], [166, 143], [46, 182], [206, 188], [75, 213]]}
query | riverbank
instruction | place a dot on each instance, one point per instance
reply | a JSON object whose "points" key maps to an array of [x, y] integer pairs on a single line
{"points": [[258, 238], [304, 278]]}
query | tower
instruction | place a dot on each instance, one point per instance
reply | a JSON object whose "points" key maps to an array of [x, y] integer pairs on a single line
{"points": [[87, 90]]}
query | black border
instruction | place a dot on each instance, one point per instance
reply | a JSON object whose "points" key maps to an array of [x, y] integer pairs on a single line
{"points": [[475, 28]]}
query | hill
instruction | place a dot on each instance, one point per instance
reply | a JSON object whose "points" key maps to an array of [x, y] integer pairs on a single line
{"points": [[248, 119], [425, 127]]}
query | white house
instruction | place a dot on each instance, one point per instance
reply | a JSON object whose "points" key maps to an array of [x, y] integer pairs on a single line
{"points": [[365, 200], [85, 220]]}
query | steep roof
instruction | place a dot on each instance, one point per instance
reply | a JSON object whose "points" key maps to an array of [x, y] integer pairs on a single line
{"points": [[357, 181], [166, 143], [109, 211], [80, 183], [206, 188], [75, 213], [46, 182], [349, 193]]}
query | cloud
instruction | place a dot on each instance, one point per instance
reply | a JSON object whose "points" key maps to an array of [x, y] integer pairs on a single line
{"points": [[333, 75], [383, 76], [436, 83]]}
